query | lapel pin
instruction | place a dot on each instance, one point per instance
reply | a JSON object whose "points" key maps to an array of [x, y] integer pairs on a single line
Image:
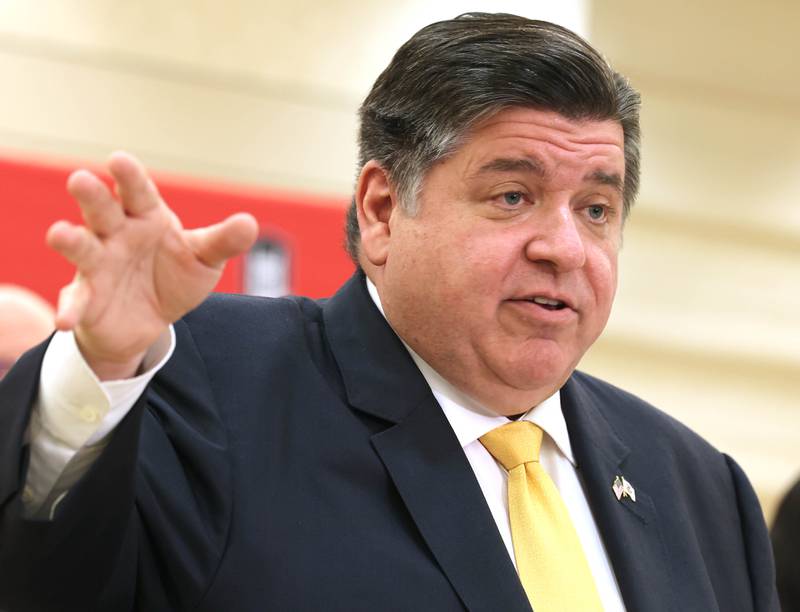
{"points": [[622, 488]]}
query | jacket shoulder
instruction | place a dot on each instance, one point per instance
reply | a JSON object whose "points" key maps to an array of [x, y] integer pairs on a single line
{"points": [[240, 324], [639, 422], [235, 310], [707, 509]]}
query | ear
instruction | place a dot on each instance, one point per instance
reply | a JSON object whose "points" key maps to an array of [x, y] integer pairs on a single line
{"points": [[375, 203]]}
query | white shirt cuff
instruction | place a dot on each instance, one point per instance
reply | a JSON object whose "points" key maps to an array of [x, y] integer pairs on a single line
{"points": [[73, 416], [78, 409]]}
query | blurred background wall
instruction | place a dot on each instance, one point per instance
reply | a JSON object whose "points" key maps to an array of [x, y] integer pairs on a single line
{"points": [[264, 93]]}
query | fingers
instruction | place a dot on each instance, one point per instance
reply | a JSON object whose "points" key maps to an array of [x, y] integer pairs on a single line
{"points": [[72, 302], [137, 192], [215, 244], [101, 211], [76, 243]]}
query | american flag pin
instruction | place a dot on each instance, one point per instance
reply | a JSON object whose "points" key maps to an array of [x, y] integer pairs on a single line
{"points": [[622, 488]]}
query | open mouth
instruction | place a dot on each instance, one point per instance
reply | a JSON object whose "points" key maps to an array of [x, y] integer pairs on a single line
{"points": [[546, 303]]}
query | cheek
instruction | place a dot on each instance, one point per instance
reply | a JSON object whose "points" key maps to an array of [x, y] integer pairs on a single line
{"points": [[602, 276], [461, 254], [492, 252], [479, 274]]}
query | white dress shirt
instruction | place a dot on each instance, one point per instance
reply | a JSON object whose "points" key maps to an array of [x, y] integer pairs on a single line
{"points": [[75, 412]]}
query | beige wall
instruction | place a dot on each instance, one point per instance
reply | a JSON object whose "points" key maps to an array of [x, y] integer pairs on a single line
{"points": [[265, 92], [249, 90]]}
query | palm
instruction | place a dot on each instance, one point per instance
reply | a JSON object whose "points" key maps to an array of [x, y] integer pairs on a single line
{"points": [[138, 268], [149, 278]]}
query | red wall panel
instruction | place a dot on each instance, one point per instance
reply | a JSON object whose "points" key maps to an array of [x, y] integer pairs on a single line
{"points": [[33, 196]]}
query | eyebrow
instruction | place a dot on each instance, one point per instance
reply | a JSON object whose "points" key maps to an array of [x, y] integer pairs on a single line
{"points": [[517, 164], [534, 166], [604, 178]]}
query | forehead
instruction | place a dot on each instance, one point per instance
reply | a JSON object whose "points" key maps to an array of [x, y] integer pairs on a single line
{"points": [[546, 137]]}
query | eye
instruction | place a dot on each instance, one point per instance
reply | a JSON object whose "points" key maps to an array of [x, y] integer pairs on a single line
{"points": [[597, 212], [512, 198]]}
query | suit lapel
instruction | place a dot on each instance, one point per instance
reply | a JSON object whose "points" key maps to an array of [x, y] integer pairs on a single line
{"points": [[18, 388], [436, 483], [421, 453], [630, 530]]}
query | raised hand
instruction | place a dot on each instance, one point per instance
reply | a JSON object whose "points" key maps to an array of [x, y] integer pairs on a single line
{"points": [[138, 269]]}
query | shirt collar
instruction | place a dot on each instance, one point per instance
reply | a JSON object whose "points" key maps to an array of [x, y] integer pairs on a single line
{"points": [[469, 418]]}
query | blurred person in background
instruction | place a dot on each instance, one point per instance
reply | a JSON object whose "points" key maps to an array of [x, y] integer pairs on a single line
{"points": [[25, 320], [786, 544], [419, 441]]}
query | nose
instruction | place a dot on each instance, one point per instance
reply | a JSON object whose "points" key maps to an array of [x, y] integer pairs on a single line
{"points": [[556, 240]]}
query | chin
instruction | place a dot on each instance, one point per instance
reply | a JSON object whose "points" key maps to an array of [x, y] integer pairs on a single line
{"points": [[548, 380], [546, 367]]}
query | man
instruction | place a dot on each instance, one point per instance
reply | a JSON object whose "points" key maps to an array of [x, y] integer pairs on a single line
{"points": [[355, 453], [25, 320]]}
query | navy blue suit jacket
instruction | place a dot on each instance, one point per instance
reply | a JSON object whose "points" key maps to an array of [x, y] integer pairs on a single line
{"points": [[290, 456]]}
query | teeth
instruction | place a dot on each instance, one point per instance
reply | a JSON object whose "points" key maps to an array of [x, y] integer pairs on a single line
{"points": [[546, 301]]}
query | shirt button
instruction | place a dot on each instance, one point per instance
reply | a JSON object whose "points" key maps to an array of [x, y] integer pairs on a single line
{"points": [[27, 495], [88, 414]]}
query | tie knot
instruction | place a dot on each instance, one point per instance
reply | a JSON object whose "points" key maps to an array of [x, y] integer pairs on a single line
{"points": [[514, 443]]}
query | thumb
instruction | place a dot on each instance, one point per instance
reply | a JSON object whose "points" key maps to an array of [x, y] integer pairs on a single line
{"points": [[72, 302], [215, 244]]}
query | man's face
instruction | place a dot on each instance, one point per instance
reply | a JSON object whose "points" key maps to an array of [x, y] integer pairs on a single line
{"points": [[507, 273]]}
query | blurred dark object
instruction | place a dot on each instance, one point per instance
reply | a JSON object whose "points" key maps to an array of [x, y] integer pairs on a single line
{"points": [[786, 544]]}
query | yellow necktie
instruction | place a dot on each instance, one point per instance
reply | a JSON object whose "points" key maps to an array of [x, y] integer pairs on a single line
{"points": [[550, 559]]}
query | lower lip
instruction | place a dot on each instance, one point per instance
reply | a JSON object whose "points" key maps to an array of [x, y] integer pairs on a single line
{"points": [[531, 310]]}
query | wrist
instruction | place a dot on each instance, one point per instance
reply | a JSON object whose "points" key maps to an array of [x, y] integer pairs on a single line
{"points": [[111, 367], [110, 370]]}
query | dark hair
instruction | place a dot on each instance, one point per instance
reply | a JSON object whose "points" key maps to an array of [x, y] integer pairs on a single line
{"points": [[453, 74]]}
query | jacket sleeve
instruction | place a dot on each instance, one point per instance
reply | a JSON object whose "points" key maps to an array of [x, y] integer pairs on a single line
{"points": [[760, 560], [145, 527]]}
